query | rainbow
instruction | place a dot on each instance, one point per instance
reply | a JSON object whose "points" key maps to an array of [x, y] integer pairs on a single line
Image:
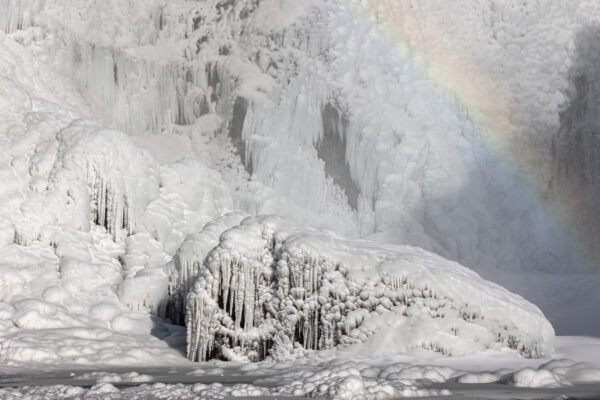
{"points": [[468, 89]]}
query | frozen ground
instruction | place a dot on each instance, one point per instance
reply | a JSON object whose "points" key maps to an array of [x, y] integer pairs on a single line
{"points": [[147, 144], [489, 375]]}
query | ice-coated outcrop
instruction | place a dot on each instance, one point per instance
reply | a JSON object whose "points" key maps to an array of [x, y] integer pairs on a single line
{"points": [[270, 288]]}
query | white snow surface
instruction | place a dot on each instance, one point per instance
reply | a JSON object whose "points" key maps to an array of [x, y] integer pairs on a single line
{"points": [[340, 379]]}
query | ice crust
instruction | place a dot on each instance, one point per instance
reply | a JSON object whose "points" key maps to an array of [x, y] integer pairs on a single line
{"points": [[337, 380]]}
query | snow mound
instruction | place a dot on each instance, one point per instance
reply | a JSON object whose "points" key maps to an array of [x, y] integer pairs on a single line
{"points": [[109, 377], [529, 377], [572, 371], [271, 288]]}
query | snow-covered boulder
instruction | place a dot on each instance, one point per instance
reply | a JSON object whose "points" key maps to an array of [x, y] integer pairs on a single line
{"points": [[271, 288]]}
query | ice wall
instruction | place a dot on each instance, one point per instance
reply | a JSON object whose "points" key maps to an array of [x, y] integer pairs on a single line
{"points": [[136, 95]]}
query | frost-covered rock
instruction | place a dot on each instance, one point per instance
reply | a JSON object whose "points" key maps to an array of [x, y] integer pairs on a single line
{"points": [[270, 288]]}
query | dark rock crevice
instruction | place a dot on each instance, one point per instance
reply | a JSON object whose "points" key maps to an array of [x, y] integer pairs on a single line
{"points": [[331, 148], [235, 132]]}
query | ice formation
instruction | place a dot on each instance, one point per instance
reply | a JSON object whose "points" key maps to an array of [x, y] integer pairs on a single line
{"points": [[308, 87], [338, 114], [356, 111], [272, 289], [188, 262]]}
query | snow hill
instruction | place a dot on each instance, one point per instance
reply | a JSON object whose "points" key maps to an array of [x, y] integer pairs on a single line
{"points": [[134, 129]]}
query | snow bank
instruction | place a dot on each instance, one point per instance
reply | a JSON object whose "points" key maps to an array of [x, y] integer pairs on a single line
{"points": [[270, 288], [343, 389], [337, 382], [84, 346], [529, 377]]}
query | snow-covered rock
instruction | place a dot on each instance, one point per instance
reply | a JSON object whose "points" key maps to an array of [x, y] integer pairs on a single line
{"points": [[271, 288]]}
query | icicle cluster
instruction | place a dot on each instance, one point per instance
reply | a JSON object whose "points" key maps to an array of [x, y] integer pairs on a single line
{"points": [[108, 203], [19, 14], [265, 291], [136, 95], [187, 263], [120, 179], [182, 274]]}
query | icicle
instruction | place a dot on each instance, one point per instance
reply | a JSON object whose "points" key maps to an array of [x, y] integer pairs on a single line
{"points": [[110, 206], [19, 14], [135, 95]]}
